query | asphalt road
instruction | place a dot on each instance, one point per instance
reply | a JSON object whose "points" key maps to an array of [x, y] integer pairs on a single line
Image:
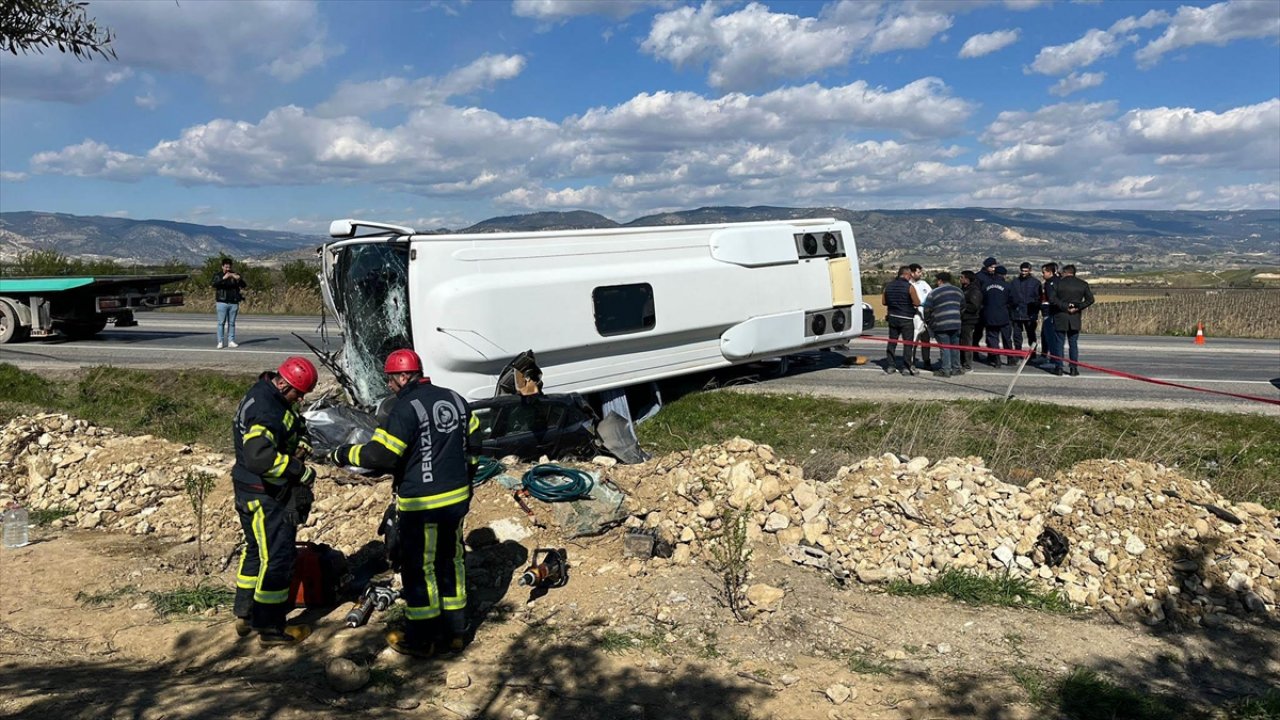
{"points": [[1250, 367]]}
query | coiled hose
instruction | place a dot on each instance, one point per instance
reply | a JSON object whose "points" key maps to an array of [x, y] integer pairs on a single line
{"points": [[486, 468], [541, 483]]}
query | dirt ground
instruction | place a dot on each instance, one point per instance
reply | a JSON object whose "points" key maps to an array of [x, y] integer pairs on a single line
{"points": [[624, 639]]}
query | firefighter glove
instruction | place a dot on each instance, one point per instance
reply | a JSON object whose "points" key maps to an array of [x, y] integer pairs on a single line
{"points": [[308, 477], [335, 457]]}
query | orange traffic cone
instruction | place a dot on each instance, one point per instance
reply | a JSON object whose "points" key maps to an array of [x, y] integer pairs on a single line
{"points": [[1199, 333]]}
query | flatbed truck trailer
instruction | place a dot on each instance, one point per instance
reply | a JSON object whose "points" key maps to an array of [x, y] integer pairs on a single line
{"points": [[79, 307]]}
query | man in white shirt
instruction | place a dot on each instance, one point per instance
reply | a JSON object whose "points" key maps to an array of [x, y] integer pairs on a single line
{"points": [[921, 330]]}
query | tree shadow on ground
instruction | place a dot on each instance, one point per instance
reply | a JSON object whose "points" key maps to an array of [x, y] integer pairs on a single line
{"points": [[575, 678]]}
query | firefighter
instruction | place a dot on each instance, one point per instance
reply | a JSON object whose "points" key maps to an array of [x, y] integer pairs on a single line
{"points": [[270, 480], [423, 443]]}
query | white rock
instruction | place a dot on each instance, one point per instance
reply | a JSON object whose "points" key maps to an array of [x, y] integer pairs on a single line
{"points": [[839, 694], [776, 521], [804, 495], [1239, 582], [1134, 545], [1004, 554]]}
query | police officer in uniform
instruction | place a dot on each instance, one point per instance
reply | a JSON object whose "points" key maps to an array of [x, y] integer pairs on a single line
{"points": [[423, 443], [270, 478]]}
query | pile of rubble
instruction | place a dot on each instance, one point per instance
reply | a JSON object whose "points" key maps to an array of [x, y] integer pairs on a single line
{"points": [[95, 478], [1140, 537]]}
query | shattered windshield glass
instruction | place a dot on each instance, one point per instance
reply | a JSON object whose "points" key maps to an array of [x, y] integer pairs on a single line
{"points": [[371, 295]]}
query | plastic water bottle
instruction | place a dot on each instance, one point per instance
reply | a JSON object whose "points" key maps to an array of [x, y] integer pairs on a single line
{"points": [[15, 526]]}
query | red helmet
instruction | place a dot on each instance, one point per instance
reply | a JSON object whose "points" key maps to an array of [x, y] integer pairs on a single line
{"points": [[403, 361], [299, 373]]}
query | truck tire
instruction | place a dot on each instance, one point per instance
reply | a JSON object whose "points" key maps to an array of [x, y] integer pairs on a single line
{"points": [[11, 328], [80, 329]]}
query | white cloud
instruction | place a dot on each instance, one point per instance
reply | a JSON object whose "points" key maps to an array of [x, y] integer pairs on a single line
{"points": [[747, 47], [987, 43], [225, 44], [1246, 136], [562, 9], [752, 46], [923, 107], [1093, 45], [908, 32], [90, 159], [654, 150], [1238, 197], [362, 98], [147, 101], [1214, 25], [1062, 59], [12, 176], [1075, 82], [118, 213]]}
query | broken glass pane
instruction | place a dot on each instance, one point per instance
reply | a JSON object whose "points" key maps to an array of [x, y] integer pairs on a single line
{"points": [[371, 297]]}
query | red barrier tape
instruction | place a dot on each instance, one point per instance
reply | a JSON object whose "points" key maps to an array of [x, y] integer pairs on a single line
{"points": [[1096, 368]]}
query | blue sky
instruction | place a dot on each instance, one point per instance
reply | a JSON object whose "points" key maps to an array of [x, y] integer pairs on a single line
{"points": [[286, 115]]}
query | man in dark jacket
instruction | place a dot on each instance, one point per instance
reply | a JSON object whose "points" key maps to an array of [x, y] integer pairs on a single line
{"points": [[997, 308], [1050, 340], [984, 277], [424, 444], [901, 302], [970, 316], [942, 314], [1026, 305], [268, 476], [1069, 298], [227, 285]]}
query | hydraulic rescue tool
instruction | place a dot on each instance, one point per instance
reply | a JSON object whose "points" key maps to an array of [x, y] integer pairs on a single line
{"points": [[376, 597], [549, 568]]}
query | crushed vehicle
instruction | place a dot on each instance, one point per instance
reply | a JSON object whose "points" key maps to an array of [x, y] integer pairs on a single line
{"points": [[610, 311]]}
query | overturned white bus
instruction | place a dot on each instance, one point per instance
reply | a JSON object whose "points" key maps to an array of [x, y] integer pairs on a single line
{"points": [[604, 309]]}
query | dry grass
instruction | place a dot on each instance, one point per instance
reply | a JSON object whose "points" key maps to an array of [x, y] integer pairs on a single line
{"points": [[278, 300], [1225, 313]]}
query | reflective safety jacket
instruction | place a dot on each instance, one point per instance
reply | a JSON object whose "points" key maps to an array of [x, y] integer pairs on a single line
{"points": [[424, 444], [267, 434]]}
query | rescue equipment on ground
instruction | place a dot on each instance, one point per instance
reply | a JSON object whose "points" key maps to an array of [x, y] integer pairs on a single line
{"points": [[320, 574], [378, 597], [549, 568]]}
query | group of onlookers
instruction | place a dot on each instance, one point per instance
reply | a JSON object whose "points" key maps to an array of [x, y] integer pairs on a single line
{"points": [[986, 303]]}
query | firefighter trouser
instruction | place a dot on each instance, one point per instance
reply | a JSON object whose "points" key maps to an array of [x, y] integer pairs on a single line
{"points": [[266, 563], [432, 571]]}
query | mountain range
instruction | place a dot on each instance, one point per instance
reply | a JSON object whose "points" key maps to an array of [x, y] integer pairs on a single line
{"points": [[1103, 240]]}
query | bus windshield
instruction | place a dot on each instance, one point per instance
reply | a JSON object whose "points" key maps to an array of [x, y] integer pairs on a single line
{"points": [[370, 284]]}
